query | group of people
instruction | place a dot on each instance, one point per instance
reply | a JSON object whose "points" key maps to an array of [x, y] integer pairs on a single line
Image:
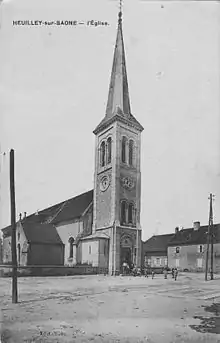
{"points": [[135, 271], [130, 269], [174, 272]]}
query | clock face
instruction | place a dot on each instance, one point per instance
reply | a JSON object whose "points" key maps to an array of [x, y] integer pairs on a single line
{"points": [[104, 183], [127, 182]]}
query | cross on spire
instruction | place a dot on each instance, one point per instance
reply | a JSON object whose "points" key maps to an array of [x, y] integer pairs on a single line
{"points": [[120, 6]]}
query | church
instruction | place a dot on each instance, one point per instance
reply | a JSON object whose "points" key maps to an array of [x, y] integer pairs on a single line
{"points": [[102, 226]]}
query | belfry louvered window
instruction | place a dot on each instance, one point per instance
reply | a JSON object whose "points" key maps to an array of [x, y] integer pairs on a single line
{"points": [[131, 152], [109, 150], [123, 149], [130, 213], [102, 154], [123, 212]]}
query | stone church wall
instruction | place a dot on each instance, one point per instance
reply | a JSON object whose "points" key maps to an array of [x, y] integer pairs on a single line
{"points": [[90, 252], [65, 231]]}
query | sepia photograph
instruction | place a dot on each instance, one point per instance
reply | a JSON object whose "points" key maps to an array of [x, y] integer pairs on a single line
{"points": [[109, 171]]}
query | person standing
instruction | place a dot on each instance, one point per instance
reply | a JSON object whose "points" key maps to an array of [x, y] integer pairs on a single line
{"points": [[165, 273], [124, 267], [175, 274], [145, 272]]}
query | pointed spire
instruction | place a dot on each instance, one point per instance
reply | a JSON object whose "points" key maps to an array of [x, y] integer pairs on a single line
{"points": [[118, 96], [118, 105]]}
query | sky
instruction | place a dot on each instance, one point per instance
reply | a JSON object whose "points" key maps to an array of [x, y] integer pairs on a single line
{"points": [[53, 93]]}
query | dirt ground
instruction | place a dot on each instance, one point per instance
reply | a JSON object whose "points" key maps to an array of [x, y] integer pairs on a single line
{"points": [[111, 309]]}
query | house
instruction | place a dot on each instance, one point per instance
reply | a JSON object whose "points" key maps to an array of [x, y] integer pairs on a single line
{"points": [[154, 251], [187, 248], [100, 227]]}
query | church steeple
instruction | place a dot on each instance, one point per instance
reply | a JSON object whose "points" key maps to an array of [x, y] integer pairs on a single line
{"points": [[118, 96], [118, 104]]}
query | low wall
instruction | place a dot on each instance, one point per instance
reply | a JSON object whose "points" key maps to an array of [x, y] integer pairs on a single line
{"points": [[6, 271]]}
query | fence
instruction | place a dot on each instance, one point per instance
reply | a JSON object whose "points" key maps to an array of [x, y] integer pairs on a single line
{"points": [[41, 270]]}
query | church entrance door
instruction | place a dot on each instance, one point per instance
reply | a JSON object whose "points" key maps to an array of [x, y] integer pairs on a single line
{"points": [[126, 255]]}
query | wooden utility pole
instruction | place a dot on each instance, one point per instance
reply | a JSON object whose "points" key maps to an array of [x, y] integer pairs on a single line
{"points": [[13, 231], [212, 238], [114, 248], [137, 241], [208, 239]]}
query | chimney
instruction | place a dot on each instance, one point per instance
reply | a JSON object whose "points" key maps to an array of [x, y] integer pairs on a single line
{"points": [[25, 214], [176, 229], [196, 226], [20, 216]]}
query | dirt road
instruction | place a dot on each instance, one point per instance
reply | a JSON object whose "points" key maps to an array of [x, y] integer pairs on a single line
{"points": [[111, 309]]}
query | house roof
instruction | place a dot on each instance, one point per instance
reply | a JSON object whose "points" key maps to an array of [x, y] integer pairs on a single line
{"points": [[157, 243], [41, 233], [63, 211], [191, 236]]}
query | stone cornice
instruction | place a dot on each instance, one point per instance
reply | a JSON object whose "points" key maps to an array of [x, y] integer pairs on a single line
{"points": [[121, 119]]}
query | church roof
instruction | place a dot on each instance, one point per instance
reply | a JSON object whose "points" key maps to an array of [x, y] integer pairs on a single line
{"points": [[74, 208], [118, 104], [63, 211], [41, 233]]}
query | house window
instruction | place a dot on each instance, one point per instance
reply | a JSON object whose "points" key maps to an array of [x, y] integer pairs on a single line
{"points": [[177, 262], [102, 154], [130, 213], [165, 261], [177, 250], [123, 149], [18, 236], [199, 262], [131, 152], [71, 241], [90, 250], [200, 248], [123, 212], [109, 150], [158, 261]]}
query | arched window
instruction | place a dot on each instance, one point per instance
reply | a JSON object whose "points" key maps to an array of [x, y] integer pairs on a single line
{"points": [[131, 152], [71, 241], [130, 213], [109, 150], [123, 212], [123, 149], [102, 154]]}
